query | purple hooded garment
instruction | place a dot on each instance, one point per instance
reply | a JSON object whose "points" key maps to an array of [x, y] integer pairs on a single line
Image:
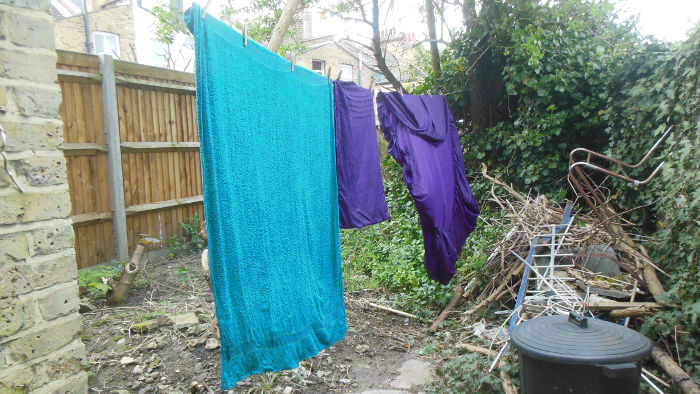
{"points": [[361, 199], [423, 138]]}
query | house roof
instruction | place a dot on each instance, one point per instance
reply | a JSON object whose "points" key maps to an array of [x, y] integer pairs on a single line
{"points": [[352, 48]]}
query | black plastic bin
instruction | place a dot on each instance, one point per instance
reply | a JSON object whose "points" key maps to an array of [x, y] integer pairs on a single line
{"points": [[571, 354]]}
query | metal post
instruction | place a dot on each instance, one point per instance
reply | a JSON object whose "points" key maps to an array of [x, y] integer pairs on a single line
{"points": [[359, 73], [114, 157]]}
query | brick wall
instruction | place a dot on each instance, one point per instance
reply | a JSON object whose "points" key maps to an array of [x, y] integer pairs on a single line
{"points": [[334, 56], [70, 32], [40, 347]]}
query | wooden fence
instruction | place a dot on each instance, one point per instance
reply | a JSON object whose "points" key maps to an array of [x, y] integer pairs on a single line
{"points": [[132, 152]]}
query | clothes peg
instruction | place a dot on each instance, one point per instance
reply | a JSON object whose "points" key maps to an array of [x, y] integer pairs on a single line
{"points": [[371, 84], [245, 33], [329, 73], [339, 74], [204, 10], [294, 60]]}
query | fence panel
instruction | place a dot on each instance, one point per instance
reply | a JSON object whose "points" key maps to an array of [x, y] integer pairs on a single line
{"points": [[159, 152]]}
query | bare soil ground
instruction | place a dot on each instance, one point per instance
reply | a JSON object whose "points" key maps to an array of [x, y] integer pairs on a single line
{"points": [[135, 348]]}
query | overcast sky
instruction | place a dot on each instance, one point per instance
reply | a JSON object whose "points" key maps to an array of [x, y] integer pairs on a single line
{"points": [[669, 20]]}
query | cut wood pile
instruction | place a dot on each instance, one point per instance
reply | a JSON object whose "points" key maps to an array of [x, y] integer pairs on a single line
{"points": [[609, 274]]}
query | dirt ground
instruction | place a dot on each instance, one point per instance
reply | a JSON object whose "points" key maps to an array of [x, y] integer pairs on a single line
{"points": [[136, 348]]}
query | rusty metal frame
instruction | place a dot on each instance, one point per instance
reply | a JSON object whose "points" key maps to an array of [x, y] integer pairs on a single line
{"points": [[584, 182]]}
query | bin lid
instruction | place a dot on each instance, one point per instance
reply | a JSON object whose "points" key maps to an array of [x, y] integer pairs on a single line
{"points": [[576, 340]]}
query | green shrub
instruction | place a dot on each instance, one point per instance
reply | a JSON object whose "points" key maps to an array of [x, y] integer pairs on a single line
{"points": [[90, 280], [190, 240]]}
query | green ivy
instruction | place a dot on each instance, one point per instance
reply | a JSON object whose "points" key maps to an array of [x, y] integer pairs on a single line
{"points": [[390, 254], [660, 86]]}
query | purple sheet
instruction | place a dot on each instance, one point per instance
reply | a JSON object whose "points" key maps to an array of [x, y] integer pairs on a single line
{"points": [[423, 138], [361, 199]]}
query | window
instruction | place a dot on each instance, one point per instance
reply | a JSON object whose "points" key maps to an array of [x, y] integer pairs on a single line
{"points": [[318, 66], [106, 43], [345, 72]]}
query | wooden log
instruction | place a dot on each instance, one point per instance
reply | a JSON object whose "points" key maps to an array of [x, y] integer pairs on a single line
{"points": [[392, 310], [476, 349], [122, 289], [498, 292], [632, 312], [446, 312], [680, 378], [601, 305]]}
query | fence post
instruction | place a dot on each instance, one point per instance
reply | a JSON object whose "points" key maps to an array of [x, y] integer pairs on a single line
{"points": [[114, 157]]}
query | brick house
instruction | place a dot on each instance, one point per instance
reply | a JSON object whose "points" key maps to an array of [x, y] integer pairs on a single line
{"points": [[120, 28], [347, 58]]}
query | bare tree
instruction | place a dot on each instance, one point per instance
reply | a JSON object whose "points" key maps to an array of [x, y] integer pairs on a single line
{"points": [[434, 53], [469, 13], [282, 25]]}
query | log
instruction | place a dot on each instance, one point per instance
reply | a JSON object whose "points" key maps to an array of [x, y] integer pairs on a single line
{"points": [[498, 292], [506, 383], [604, 305], [392, 310], [476, 349], [636, 311], [459, 290], [680, 378], [122, 289]]}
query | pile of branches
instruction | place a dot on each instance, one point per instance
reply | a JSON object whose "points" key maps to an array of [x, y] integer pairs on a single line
{"points": [[526, 217]]}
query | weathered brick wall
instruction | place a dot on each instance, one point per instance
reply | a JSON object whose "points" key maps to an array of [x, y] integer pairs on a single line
{"points": [[70, 32], [334, 56], [40, 347]]}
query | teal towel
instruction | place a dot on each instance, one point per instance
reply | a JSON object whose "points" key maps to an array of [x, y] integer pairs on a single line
{"points": [[271, 202]]}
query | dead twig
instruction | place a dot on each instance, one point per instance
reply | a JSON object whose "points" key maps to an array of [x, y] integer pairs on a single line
{"points": [[680, 378], [446, 312]]}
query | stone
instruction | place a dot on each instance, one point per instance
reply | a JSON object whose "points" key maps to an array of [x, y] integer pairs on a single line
{"points": [[600, 259], [138, 370], [15, 315], [41, 5], [126, 360], [44, 340], [41, 67], [412, 373], [14, 247], [145, 326], [66, 362], [59, 301], [31, 30], [211, 344], [384, 392], [30, 207], [287, 390], [362, 349], [184, 320], [37, 101], [20, 278], [55, 367], [3, 22], [41, 171], [74, 384], [85, 307], [25, 136], [155, 363]]}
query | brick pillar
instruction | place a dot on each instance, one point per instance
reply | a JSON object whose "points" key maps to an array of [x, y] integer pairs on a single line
{"points": [[40, 347]]}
